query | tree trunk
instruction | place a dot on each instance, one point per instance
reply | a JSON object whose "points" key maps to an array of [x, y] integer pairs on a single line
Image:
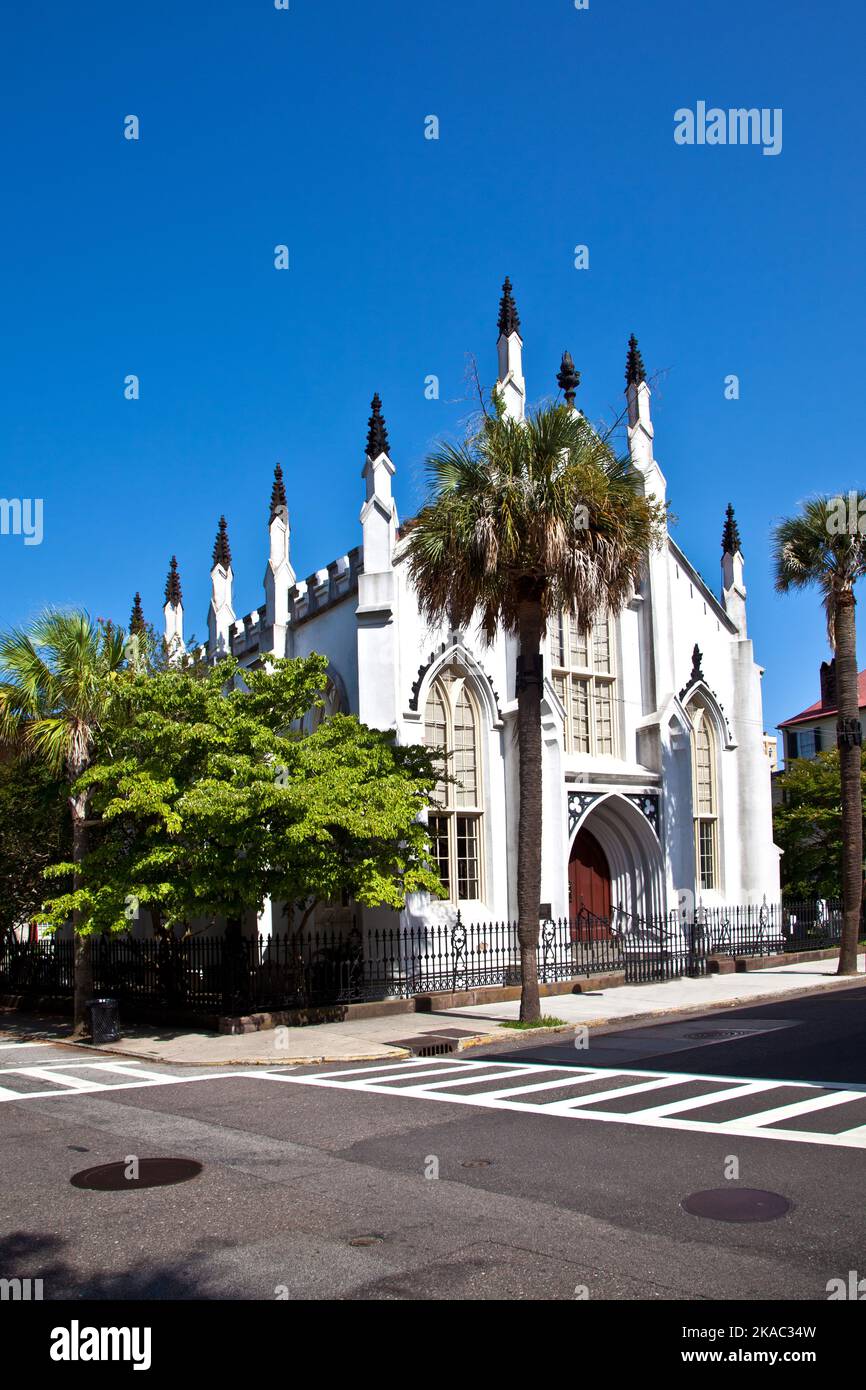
{"points": [[848, 739], [82, 987], [529, 686]]}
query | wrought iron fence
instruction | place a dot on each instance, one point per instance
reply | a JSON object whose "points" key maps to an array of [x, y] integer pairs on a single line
{"points": [[766, 929], [242, 974]]}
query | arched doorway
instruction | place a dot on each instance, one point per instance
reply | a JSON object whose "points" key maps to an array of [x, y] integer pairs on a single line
{"points": [[589, 879], [630, 863]]}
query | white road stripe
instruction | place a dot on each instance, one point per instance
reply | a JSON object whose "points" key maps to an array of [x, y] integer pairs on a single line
{"points": [[50, 1067], [559, 1107], [128, 1069], [475, 1079], [385, 1081], [75, 1083], [746, 1088], [798, 1107], [663, 1116], [408, 1065], [59, 1093]]}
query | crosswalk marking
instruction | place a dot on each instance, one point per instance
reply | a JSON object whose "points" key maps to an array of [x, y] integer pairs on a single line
{"points": [[128, 1069], [130, 1076], [560, 1107], [555, 1085], [671, 1114], [519, 1087], [75, 1083], [801, 1107], [676, 1107]]}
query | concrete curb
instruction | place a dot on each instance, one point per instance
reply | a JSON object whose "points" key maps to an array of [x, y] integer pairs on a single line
{"points": [[516, 1036], [601, 1025]]}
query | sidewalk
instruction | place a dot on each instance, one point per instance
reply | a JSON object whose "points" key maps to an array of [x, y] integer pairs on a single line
{"points": [[376, 1038]]}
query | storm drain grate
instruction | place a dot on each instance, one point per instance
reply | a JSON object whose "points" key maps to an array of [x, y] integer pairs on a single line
{"points": [[147, 1172], [427, 1045], [737, 1204]]}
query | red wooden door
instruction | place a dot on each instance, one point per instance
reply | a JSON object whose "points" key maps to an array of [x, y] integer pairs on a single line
{"points": [[589, 883]]}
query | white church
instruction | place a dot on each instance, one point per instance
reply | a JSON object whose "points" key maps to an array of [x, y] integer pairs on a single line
{"points": [[656, 776]]}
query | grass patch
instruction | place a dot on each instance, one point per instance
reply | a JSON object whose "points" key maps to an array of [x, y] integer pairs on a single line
{"points": [[545, 1022]]}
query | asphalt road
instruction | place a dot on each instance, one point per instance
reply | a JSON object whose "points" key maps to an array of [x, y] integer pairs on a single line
{"points": [[468, 1177]]}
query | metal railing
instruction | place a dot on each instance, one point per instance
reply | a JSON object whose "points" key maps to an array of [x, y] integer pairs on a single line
{"points": [[241, 974]]}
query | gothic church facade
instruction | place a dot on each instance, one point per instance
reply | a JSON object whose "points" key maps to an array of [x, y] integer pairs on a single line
{"points": [[656, 777]]}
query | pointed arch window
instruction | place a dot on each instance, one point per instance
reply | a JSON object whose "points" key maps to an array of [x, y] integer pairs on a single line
{"points": [[451, 725], [584, 678], [704, 798]]}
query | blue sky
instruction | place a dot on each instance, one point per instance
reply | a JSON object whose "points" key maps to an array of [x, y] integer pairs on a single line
{"points": [[306, 127]]}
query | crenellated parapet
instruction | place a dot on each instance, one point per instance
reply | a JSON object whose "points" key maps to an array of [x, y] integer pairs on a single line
{"points": [[326, 587]]}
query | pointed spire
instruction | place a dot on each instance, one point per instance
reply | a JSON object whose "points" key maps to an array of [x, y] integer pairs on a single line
{"points": [[377, 435], [137, 624], [173, 592], [279, 505], [731, 534], [635, 372], [509, 320], [222, 554], [567, 378]]}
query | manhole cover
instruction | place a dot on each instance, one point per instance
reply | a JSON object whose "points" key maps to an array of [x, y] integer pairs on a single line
{"points": [[718, 1034], [477, 1163], [737, 1204], [151, 1172], [366, 1240]]}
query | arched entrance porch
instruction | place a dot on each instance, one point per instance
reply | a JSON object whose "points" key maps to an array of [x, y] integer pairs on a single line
{"points": [[615, 861]]}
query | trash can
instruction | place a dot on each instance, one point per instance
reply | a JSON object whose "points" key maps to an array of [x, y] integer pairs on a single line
{"points": [[103, 1020]]}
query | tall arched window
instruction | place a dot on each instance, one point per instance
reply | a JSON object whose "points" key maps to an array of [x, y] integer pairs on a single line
{"points": [[451, 726], [584, 678], [704, 797]]}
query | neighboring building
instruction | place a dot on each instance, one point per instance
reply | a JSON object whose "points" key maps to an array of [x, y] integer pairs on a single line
{"points": [[813, 731], [656, 775]]}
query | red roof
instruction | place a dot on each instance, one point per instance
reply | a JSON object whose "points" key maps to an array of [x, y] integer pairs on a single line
{"points": [[819, 711]]}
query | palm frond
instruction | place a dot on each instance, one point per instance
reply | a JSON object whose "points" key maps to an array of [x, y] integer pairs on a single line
{"points": [[542, 503]]}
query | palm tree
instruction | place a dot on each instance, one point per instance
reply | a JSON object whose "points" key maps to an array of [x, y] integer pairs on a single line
{"points": [[526, 520], [823, 546], [57, 687]]}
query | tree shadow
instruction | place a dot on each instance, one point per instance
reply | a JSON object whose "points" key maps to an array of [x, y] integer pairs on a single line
{"points": [[43, 1255]]}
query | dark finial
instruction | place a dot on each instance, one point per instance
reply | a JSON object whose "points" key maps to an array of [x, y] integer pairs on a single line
{"points": [[568, 378], [279, 506], [222, 554], [731, 534], [697, 665], [377, 435], [172, 584], [509, 321], [137, 624], [635, 372]]}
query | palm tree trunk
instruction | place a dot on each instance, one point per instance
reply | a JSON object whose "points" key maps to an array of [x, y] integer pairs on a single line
{"points": [[848, 738], [529, 685], [82, 945]]}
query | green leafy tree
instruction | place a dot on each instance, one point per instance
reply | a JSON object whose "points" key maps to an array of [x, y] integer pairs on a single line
{"points": [[58, 686], [817, 549], [214, 799], [527, 520], [807, 826], [35, 831]]}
